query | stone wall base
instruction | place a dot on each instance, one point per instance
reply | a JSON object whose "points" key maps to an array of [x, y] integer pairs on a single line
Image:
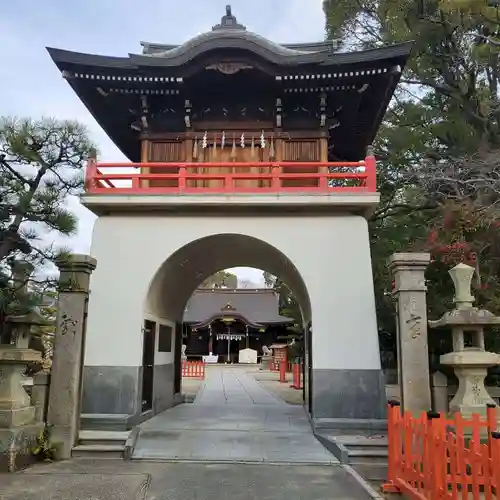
{"points": [[348, 394], [16, 447], [112, 396]]}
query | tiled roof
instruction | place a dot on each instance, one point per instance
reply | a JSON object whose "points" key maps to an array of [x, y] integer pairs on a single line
{"points": [[258, 306]]}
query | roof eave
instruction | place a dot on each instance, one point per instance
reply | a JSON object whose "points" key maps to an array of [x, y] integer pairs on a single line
{"points": [[67, 57], [204, 323]]}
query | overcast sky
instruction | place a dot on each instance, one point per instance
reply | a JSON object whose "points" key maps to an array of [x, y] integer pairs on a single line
{"points": [[32, 86]]}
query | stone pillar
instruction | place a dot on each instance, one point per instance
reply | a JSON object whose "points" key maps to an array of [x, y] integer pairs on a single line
{"points": [[408, 270], [40, 395], [66, 379]]}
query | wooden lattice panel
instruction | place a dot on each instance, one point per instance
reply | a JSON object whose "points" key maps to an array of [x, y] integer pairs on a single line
{"points": [[297, 151], [166, 151]]}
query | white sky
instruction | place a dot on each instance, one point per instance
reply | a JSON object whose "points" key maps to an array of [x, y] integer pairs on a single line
{"points": [[32, 86]]}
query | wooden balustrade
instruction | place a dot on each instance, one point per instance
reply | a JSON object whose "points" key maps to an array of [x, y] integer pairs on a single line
{"points": [[212, 177]]}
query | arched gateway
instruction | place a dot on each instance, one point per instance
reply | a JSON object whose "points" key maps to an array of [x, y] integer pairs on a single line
{"points": [[245, 153]]}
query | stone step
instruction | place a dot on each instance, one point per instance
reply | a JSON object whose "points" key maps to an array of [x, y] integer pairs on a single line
{"points": [[103, 437], [375, 473], [350, 425], [102, 421], [367, 452], [98, 451]]}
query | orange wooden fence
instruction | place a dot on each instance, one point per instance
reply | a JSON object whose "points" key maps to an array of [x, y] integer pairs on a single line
{"points": [[193, 369], [433, 458]]}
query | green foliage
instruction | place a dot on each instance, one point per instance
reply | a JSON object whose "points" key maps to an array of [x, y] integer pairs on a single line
{"points": [[41, 165], [288, 305], [437, 147], [221, 279], [45, 450]]}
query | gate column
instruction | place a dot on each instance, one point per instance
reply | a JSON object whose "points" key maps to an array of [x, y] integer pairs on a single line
{"points": [[347, 378], [65, 384], [410, 290]]}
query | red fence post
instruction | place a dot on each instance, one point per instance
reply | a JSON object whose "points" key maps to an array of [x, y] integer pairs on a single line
{"points": [[371, 171], [283, 371], [495, 455], [394, 446], [90, 173], [182, 178], [276, 180]]}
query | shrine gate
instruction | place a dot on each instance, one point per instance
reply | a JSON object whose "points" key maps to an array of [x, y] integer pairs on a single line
{"points": [[243, 152]]}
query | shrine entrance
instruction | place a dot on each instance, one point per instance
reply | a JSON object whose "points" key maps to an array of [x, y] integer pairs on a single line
{"points": [[182, 273], [164, 257]]}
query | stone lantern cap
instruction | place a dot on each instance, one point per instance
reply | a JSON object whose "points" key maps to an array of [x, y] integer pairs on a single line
{"points": [[12, 354], [32, 318], [471, 318], [464, 313]]}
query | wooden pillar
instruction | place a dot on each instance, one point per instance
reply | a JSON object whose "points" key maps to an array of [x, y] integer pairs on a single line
{"points": [[145, 148], [323, 154], [188, 157]]}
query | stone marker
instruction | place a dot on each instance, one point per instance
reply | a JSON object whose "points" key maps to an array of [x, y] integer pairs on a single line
{"points": [[65, 385], [410, 290]]}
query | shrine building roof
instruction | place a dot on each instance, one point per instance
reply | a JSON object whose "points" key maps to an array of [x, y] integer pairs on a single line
{"points": [[161, 81], [256, 307]]}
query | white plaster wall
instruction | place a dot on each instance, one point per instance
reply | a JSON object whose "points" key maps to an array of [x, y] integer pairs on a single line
{"points": [[331, 253], [161, 358]]}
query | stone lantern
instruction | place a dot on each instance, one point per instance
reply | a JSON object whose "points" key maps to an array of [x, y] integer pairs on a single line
{"points": [[470, 362], [18, 426]]}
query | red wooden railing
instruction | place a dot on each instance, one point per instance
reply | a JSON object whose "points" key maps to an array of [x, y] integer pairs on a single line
{"points": [[193, 369], [297, 382], [134, 178], [434, 458]]}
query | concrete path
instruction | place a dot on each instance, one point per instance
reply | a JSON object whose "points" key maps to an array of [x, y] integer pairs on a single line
{"points": [[108, 479], [233, 419], [201, 447]]}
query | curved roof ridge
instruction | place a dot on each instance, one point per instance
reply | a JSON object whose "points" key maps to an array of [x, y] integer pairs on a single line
{"points": [[151, 48], [209, 36], [235, 290]]}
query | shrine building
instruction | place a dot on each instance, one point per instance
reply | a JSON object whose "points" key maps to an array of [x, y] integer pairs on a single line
{"points": [[224, 321], [241, 152]]}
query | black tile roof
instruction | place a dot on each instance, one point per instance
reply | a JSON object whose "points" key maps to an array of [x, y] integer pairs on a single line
{"points": [[255, 306]]}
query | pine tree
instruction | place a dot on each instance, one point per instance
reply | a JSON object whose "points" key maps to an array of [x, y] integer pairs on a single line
{"points": [[41, 165]]}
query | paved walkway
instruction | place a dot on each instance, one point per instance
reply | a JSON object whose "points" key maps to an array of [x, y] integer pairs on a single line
{"points": [[117, 480], [233, 419]]}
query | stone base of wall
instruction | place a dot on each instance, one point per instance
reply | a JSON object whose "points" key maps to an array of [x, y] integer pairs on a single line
{"points": [[348, 394], [16, 447], [112, 396]]}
